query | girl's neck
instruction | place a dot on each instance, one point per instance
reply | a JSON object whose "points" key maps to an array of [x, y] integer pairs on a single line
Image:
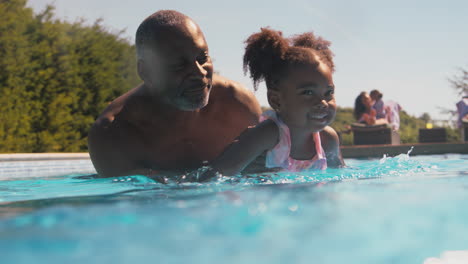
{"points": [[302, 144]]}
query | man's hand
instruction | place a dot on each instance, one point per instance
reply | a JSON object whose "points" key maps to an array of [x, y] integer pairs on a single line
{"points": [[202, 174]]}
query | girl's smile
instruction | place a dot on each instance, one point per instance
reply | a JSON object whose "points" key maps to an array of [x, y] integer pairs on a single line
{"points": [[306, 97]]}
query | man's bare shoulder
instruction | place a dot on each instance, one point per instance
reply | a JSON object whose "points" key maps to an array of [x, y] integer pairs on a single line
{"points": [[230, 92], [119, 107], [113, 141], [225, 86]]}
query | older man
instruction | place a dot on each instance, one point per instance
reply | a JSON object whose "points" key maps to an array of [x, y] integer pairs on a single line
{"points": [[180, 116]]}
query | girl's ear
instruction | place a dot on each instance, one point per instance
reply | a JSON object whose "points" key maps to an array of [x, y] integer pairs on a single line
{"points": [[274, 99]]}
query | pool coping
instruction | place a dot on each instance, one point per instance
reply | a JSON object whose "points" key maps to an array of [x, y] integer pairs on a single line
{"points": [[43, 156], [377, 151], [360, 151]]}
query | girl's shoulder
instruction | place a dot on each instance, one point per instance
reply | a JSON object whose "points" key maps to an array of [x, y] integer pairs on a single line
{"points": [[329, 138], [331, 146], [328, 132], [264, 135], [267, 131]]}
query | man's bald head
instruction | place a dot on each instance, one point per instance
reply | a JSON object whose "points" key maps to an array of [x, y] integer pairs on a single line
{"points": [[173, 60], [148, 31]]}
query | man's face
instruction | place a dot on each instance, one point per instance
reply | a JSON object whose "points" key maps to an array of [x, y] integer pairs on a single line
{"points": [[178, 69]]}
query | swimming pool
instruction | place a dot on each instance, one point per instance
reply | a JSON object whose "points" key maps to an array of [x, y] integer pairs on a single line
{"points": [[393, 210]]}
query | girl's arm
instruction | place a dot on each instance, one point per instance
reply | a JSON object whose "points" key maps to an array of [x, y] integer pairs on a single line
{"points": [[249, 145], [331, 146]]}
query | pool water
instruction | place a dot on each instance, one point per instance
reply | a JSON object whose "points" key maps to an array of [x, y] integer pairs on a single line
{"points": [[390, 210]]}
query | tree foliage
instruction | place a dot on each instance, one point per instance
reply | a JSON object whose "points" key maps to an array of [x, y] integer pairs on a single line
{"points": [[459, 82], [56, 77], [344, 118]]}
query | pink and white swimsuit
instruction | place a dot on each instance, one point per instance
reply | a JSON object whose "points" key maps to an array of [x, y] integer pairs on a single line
{"points": [[279, 157]]}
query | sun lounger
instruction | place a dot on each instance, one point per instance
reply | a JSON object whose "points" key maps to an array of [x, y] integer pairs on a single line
{"points": [[374, 135], [462, 109], [432, 135], [464, 130]]}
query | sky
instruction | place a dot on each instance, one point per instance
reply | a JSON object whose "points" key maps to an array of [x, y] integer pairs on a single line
{"points": [[406, 49]]}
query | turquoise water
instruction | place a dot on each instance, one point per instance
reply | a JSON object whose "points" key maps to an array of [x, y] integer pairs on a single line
{"points": [[393, 210]]}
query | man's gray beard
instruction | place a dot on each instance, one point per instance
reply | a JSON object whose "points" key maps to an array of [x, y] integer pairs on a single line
{"points": [[187, 105]]}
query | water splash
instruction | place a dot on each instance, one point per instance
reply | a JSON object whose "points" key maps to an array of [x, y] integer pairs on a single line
{"points": [[383, 159], [73, 185], [410, 150]]}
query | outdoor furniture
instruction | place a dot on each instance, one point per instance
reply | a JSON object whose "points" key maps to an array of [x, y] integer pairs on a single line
{"points": [[465, 130], [374, 135], [462, 122], [432, 135]]}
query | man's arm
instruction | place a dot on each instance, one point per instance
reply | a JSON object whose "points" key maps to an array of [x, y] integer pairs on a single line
{"points": [[108, 152]]}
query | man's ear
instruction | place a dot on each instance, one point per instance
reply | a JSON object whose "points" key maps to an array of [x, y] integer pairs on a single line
{"points": [[274, 99], [141, 69]]}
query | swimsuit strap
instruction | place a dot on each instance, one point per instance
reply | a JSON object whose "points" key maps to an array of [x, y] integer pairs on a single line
{"points": [[318, 146], [279, 155]]}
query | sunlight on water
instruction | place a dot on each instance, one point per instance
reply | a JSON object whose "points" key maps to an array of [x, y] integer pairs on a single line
{"points": [[449, 257]]}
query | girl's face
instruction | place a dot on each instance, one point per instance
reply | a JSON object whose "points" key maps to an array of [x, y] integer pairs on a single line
{"points": [[306, 97]]}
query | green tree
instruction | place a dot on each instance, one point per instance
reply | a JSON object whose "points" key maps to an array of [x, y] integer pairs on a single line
{"points": [[409, 127], [459, 82], [56, 77], [344, 118], [426, 117], [15, 118]]}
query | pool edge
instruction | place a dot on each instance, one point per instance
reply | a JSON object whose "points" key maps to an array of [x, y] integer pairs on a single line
{"points": [[360, 151]]}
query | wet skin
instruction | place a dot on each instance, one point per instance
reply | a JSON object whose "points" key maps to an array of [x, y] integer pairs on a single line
{"points": [[179, 117]]}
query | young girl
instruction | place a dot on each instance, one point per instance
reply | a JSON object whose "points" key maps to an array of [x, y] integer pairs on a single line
{"points": [[296, 136]]}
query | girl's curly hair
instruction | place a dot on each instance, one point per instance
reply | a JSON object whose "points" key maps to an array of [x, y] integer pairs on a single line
{"points": [[268, 54]]}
